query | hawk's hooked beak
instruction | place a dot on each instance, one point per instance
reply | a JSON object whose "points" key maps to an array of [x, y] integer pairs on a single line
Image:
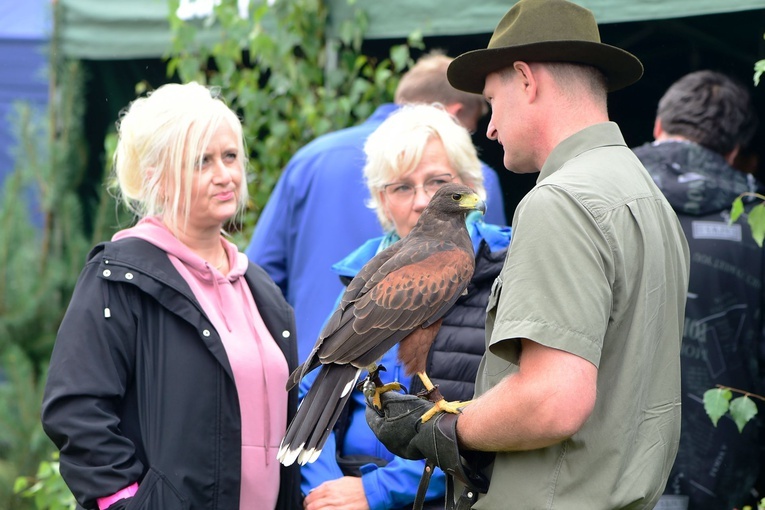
{"points": [[473, 202]]}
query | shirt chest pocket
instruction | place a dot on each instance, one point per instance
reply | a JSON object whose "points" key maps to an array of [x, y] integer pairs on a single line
{"points": [[494, 366], [496, 290]]}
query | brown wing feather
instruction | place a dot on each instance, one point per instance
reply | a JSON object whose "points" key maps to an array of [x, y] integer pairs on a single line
{"points": [[404, 299]]}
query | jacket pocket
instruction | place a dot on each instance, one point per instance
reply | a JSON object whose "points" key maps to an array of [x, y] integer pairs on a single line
{"points": [[156, 492]]}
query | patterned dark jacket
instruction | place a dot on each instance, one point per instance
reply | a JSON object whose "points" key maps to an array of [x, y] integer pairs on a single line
{"points": [[723, 336]]}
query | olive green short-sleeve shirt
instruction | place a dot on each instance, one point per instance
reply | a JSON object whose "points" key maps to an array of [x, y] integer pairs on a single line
{"points": [[598, 267]]}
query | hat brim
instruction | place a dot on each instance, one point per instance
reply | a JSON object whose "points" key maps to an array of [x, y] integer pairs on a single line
{"points": [[468, 71]]}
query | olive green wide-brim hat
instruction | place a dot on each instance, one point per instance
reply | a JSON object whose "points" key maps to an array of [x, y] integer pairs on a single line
{"points": [[545, 31]]}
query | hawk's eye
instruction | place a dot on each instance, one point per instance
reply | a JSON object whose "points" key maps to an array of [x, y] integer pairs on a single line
{"points": [[456, 197]]}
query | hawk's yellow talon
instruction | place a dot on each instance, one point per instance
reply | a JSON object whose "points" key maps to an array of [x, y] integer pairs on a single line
{"points": [[394, 386], [444, 406]]}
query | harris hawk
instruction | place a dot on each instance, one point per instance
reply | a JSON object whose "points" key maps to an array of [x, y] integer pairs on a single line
{"points": [[400, 295]]}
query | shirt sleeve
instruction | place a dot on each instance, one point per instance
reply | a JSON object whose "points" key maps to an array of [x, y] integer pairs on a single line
{"points": [[557, 279]]}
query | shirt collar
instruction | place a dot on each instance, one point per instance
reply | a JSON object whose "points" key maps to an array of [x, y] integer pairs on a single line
{"points": [[598, 135]]}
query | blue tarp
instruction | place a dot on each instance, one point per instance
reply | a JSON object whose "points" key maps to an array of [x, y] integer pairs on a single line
{"points": [[24, 32]]}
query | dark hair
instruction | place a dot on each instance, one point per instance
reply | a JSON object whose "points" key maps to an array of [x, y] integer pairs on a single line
{"points": [[709, 108]]}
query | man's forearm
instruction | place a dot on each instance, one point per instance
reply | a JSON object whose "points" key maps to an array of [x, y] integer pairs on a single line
{"points": [[545, 402]]}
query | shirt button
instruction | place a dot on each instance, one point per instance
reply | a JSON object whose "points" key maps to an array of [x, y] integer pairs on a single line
{"points": [[285, 334], [128, 276], [107, 273], [206, 332]]}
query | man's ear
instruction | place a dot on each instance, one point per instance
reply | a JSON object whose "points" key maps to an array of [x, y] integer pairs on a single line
{"points": [[524, 71], [454, 109], [527, 79], [732, 155], [658, 132], [466, 117]]}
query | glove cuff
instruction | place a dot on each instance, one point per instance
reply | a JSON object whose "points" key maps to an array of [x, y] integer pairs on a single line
{"points": [[448, 458]]}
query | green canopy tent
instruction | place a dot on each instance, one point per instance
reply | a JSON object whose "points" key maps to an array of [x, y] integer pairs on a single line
{"points": [[122, 43], [110, 29]]}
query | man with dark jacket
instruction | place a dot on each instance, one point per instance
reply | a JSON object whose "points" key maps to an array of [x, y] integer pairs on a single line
{"points": [[703, 121]]}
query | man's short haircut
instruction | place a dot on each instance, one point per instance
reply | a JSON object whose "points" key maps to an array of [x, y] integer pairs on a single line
{"points": [[709, 108], [590, 77], [426, 83]]}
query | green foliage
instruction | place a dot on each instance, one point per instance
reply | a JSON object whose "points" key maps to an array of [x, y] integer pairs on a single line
{"points": [[39, 265], [717, 402], [742, 409], [22, 441], [47, 489], [759, 68], [760, 505], [755, 217], [289, 82], [736, 209]]}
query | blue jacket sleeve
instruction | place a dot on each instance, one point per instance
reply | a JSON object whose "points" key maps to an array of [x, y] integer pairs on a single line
{"points": [[269, 244], [395, 485], [324, 468], [495, 204]]}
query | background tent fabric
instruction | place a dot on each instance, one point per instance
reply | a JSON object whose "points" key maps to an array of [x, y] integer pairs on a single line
{"points": [[113, 29], [24, 31]]}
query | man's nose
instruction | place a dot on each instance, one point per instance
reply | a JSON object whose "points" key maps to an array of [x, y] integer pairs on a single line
{"points": [[491, 131]]}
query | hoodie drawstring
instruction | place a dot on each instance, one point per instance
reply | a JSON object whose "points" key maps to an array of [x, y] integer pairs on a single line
{"points": [[259, 346], [218, 297]]}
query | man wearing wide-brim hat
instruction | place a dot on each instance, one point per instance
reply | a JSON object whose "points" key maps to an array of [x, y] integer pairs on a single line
{"points": [[578, 393]]}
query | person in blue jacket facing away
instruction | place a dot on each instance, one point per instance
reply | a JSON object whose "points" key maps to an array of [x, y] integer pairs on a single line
{"points": [[317, 214], [414, 152]]}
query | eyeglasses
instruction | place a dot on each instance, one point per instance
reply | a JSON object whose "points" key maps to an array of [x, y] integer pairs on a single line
{"points": [[402, 192]]}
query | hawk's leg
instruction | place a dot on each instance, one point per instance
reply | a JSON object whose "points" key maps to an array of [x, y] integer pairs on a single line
{"points": [[431, 393], [373, 387]]}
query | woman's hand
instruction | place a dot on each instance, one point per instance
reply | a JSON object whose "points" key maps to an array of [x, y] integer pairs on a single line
{"points": [[346, 493]]}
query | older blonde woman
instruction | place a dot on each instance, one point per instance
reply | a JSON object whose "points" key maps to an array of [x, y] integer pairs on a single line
{"points": [[166, 383], [414, 152]]}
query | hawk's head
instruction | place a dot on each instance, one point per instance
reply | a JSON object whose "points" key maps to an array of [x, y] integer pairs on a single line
{"points": [[456, 198]]}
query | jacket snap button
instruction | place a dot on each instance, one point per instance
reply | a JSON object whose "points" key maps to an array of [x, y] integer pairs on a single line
{"points": [[285, 334], [206, 332], [128, 276], [107, 273]]}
